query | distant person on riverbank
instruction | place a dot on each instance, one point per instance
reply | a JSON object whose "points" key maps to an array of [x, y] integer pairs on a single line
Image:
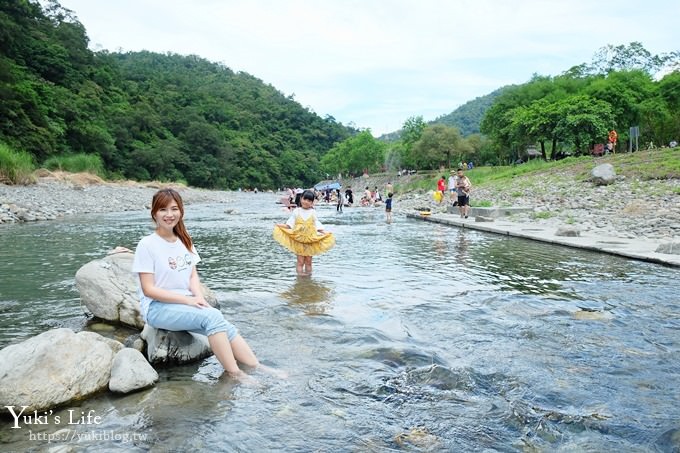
{"points": [[441, 188], [453, 193], [340, 200], [376, 194], [170, 290], [367, 198], [388, 187], [388, 208], [298, 195], [463, 186], [303, 234], [349, 196]]}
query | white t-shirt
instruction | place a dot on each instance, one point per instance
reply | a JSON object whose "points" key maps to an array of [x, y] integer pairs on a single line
{"points": [[305, 214], [170, 263], [452, 182]]}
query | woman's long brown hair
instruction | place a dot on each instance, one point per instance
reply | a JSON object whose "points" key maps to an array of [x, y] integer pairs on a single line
{"points": [[161, 199]]}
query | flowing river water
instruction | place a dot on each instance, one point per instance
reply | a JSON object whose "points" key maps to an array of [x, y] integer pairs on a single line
{"points": [[408, 337]]}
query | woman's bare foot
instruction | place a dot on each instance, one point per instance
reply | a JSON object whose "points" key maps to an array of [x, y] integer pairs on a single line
{"points": [[281, 374], [244, 378]]}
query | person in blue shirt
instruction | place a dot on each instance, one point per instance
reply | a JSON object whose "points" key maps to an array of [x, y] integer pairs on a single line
{"points": [[388, 207]]}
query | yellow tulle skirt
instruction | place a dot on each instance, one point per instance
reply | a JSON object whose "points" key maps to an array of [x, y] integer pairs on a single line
{"points": [[303, 240]]}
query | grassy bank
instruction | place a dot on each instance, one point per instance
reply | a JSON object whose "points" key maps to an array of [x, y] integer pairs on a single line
{"points": [[657, 164]]}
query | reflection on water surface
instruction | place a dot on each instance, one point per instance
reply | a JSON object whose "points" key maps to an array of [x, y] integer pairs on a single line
{"points": [[409, 336]]}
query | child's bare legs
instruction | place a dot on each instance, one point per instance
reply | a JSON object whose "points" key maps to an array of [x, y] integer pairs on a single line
{"points": [[304, 265]]}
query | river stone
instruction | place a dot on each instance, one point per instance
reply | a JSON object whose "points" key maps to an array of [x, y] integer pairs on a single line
{"points": [[108, 288], [130, 371], [568, 232], [168, 347], [603, 175], [481, 218], [669, 248], [135, 342], [55, 368]]}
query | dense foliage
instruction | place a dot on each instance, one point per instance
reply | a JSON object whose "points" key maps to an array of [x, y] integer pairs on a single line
{"points": [[148, 115], [468, 116], [570, 113]]}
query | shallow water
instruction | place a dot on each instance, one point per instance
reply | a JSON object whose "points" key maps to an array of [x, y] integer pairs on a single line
{"points": [[411, 336]]}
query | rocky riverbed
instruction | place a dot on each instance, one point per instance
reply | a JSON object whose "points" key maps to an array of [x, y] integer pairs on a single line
{"points": [[629, 207], [57, 194]]}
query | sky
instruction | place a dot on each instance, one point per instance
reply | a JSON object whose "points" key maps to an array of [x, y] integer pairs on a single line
{"points": [[375, 63]]}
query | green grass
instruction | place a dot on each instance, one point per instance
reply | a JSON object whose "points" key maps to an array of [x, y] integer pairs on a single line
{"points": [[542, 215], [77, 163], [662, 163], [482, 204], [16, 167]]}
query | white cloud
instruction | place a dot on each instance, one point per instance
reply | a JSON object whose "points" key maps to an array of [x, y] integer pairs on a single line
{"points": [[377, 62]]}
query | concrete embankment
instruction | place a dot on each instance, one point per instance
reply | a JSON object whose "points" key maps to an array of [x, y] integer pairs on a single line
{"points": [[639, 249]]}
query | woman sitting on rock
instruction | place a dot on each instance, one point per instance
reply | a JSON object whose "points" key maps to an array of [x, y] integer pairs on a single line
{"points": [[170, 290]]}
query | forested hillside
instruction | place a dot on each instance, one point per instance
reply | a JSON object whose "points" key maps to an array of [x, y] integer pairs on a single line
{"points": [[468, 117], [149, 115]]}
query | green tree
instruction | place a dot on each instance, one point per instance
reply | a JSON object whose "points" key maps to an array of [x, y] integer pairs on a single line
{"points": [[585, 121], [438, 146]]}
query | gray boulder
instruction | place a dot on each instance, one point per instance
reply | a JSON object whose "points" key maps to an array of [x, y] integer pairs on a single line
{"points": [[568, 232], [669, 248], [167, 347], [130, 371], [603, 175], [108, 288], [54, 368]]}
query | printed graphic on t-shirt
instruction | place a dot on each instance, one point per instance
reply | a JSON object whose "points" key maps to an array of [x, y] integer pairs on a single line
{"points": [[180, 262]]}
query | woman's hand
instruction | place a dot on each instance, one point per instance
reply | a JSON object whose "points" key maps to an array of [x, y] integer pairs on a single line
{"points": [[196, 301], [283, 225]]}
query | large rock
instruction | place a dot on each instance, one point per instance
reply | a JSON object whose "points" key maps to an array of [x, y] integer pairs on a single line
{"points": [[130, 371], [54, 368], [166, 347], [603, 175], [571, 232], [108, 288], [669, 248]]}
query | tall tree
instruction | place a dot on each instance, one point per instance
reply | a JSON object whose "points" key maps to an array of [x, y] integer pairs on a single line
{"points": [[438, 146]]}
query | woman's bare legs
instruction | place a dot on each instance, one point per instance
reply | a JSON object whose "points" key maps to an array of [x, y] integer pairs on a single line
{"points": [[243, 353], [229, 353], [222, 349], [308, 265]]}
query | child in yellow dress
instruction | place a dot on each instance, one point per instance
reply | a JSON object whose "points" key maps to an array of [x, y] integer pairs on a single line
{"points": [[303, 234]]}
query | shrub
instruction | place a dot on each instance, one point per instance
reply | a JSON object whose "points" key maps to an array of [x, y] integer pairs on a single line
{"points": [[77, 163], [16, 167]]}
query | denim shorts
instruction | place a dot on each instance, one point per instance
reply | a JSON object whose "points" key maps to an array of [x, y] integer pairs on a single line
{"points": [[205, 321]]}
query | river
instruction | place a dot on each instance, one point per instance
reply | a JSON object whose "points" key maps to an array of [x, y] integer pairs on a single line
{"points": [[408, 337]]}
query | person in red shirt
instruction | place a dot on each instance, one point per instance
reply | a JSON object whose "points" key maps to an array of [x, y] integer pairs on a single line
{"points": [[441, 187]]}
